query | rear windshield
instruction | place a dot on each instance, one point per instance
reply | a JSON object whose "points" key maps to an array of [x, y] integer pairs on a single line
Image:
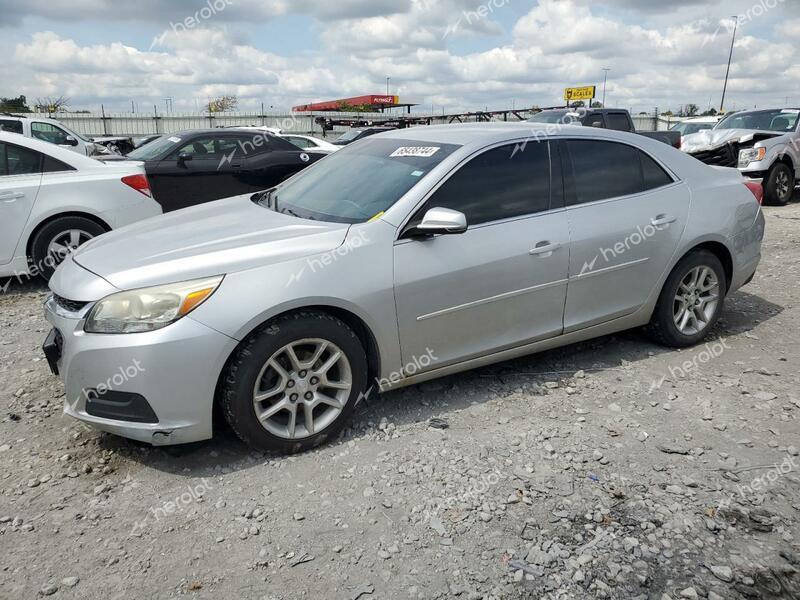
{"points": [[359, 182]]}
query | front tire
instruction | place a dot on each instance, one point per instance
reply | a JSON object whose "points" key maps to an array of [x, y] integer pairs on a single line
{"points": [[779, 186], [57, 240], [690, 302], [294, 384]]}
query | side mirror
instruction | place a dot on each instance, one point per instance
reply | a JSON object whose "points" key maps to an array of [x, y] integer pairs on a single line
{"points": [[184, 156], [70, 141], [442, 221]]}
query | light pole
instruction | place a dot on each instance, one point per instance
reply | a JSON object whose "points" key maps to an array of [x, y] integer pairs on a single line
{"points": [[387, 85], [730, 58], [605, 79]]}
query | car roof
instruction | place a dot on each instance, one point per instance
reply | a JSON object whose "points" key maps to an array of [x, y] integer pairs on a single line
{"points": [[482, 134], [73, 159]]}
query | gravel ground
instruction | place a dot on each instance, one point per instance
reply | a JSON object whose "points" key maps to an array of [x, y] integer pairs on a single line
{"points": [[608, 469]]}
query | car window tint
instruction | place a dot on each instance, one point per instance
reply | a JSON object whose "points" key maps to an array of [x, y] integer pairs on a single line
{"points": [[12, 126], [48, 132], [654, 175], [595, 120], [53, 165], [21, 161], [299, 142], [604, 170], [618, 121], [505, 182]]}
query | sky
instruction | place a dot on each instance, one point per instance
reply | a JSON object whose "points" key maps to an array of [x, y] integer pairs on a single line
{"points": [[446, 55]]}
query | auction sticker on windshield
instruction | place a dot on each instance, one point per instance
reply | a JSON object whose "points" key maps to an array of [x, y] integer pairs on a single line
{"points": [[421, 151]]}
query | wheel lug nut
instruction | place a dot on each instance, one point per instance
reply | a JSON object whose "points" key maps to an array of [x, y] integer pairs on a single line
{"points": [[309, 395], [293, 397], [314, 380], [291, 383], [302, 373]]}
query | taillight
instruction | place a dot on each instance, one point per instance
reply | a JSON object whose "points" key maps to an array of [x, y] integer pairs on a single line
{"points": [[757, 189], [139, 183]]}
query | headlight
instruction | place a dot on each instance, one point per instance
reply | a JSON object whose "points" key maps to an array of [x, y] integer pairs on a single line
{"points": [[150, 308], [751, 155]]}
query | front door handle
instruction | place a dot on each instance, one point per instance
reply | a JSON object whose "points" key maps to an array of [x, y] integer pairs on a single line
{"points": [[10, 197], [662, 220], [544, 249]]}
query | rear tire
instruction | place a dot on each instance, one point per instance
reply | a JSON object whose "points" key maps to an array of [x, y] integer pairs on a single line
{"points": [[57, 240], [779, 185], [304, 404], [690, 302]]}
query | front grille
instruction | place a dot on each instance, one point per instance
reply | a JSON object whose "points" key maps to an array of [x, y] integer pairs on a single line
{"points": [[724, 156], [69, 305]]}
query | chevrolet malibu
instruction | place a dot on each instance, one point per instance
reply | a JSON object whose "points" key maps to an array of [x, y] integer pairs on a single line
{"points": [[407, 256]]}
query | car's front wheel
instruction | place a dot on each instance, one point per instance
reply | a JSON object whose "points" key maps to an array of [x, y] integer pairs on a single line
{"points": [[779, 186], [690, 302], [294, 383], [57, 240]]}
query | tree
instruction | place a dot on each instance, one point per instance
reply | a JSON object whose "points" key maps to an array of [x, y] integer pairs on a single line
{"points": [[578, 104], [692, 110], [222, 104], [710, 113], [51, 104], [360, 108], [15, 105], [597, 104]]}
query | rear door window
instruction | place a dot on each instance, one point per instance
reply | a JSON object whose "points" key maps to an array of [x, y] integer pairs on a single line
{"points": [[19, 161], [618, 121], [11, 125]]}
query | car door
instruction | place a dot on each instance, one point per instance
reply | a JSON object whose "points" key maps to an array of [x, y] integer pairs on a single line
{"points": [[20, 178], [502, 282], [626, 216], [277, 160], [202, 169]]}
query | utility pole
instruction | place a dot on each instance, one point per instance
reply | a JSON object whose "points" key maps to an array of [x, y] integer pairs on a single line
{"points": [[605, 79], [730, 58], [387, 85]]}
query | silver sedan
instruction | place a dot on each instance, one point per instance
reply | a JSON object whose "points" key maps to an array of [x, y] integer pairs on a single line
{"points": [[403, 257]]}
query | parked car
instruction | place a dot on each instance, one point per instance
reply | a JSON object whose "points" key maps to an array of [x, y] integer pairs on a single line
{"points": [[309, 142], [49, 130], [603, 118], [197, 166], [53, 200], [408, 256], [695, 124], [116, 144], [359, 134], [763, 144]]}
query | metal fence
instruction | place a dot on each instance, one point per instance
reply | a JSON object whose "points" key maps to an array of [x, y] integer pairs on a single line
{"points": [[140, 124]]}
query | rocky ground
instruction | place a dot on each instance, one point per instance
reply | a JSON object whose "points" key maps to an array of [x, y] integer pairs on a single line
{"points": [[609, 469]]}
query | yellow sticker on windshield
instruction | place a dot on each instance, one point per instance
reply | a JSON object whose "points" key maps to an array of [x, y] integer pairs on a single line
{"points": [[376, 217]]}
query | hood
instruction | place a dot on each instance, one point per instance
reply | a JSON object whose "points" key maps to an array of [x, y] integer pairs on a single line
{"points": [[709, 139], [211, 239]]}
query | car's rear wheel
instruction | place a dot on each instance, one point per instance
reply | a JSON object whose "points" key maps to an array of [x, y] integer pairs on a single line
{"points": [[690, 302], [779, 186], [294, 384], [57, 240]]}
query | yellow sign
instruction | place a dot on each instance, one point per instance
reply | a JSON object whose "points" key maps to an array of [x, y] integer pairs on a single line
{"points": [[580, 93]]}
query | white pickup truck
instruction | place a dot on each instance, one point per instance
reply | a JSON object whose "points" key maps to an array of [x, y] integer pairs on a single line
{"points": [[49, 130], [763, 144]]}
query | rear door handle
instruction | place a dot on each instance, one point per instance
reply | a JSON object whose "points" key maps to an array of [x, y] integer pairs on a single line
{"points": [[10, 197], [662, 220], [544, 249]]}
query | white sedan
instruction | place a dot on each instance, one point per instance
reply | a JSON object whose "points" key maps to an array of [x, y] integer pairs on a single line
{"points": [[308, 142], [53, 200]]}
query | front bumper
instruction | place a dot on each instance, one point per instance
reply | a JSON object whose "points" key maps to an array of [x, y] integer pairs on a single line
{"points": [[175, 369]]}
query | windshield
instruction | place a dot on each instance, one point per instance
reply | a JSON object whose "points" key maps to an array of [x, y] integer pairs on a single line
{"points": [[155, 148], [359, 182], [690, 128], [763, 120], [348, 136], [550, 116]]}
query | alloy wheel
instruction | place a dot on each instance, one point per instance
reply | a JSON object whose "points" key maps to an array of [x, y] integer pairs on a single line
{"points": [[783, 185], [66, 242], [302, 388], [696, 300]]}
